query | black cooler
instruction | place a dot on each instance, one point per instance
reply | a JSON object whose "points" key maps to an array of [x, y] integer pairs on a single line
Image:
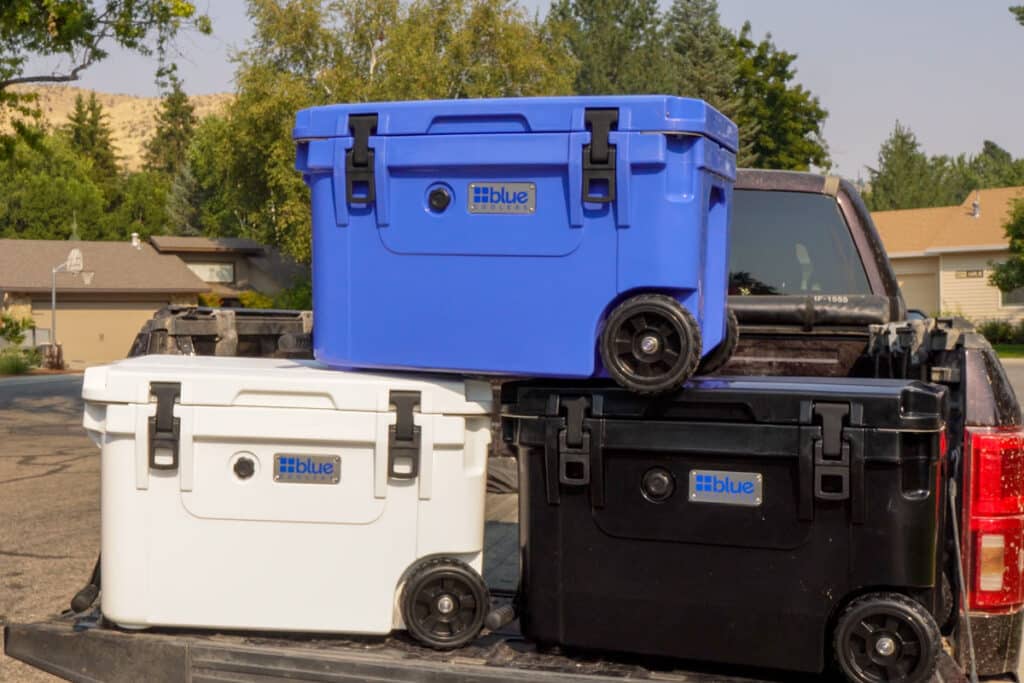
{"points": [[735, 521]]}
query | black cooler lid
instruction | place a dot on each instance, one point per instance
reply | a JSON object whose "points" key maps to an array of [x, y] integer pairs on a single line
{"points": [[875, 403]]}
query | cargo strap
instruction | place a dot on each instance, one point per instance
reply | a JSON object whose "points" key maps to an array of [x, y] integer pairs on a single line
{"points": [[359, 160], [164, 428], [404, 436], [599, 156]]}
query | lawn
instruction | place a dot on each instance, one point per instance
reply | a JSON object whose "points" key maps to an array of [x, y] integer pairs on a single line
{"points": [[1009, 350]]}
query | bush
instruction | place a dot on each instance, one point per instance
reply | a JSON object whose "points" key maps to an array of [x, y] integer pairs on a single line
{"points": [[1002, 332], [13, 330], [210, 300], [13, 362], [297, 297], [254, 299]]}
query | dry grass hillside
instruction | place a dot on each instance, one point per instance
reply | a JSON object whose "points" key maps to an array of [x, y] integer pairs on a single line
{"points": [[132, 119]]}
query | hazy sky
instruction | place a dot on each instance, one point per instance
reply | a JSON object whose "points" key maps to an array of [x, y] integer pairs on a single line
{"points": [[951, 70]]}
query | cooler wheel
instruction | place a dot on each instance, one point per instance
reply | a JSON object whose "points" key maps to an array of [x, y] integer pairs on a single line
{"points": [[444, 603], [721, 354], [884, 637], [650, 344]]}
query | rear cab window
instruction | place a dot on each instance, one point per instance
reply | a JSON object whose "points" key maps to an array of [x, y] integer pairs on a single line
{"points": [[791, 244]]}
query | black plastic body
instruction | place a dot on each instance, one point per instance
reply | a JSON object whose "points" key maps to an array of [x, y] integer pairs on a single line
{"points": [[606, 567]]}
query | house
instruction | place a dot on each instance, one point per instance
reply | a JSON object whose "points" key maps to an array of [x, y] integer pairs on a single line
{"points": [[232, 265], [100, 310], [943, 256]]}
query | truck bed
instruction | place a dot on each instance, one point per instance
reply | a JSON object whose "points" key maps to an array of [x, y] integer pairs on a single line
{"points": [[77, 649]]}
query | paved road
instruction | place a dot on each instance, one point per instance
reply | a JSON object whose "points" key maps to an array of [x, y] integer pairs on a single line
{"points": [[49, 500]]}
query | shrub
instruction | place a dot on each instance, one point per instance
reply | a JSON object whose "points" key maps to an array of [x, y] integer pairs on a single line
{"points": [[1000, 331], [297, 297], [210, 300], [13, 362], [254, 299], [13, 330]]}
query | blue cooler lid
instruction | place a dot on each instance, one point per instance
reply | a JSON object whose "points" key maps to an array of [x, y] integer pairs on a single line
{"points": [[637, 113]]}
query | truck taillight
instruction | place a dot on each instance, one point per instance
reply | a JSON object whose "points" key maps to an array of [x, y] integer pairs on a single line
{"points": [[995, 499]]}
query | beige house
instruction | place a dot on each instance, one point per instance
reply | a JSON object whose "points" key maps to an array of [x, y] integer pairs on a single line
{"points": [[943, 256], [231, 265], [100, 311]]}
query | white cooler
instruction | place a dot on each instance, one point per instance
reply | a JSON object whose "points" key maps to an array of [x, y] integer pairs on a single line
{"points": [[269, 494]]}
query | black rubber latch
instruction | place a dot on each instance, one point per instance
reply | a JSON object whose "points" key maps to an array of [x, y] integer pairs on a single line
{"points": [[164, 428], [359, 160], [599, 156], [832, 415], [575, 409], [404, 435]]}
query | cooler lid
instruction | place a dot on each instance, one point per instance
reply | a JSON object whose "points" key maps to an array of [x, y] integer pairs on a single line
{"points": [[637, 113], [881, 403], [279, 383]]}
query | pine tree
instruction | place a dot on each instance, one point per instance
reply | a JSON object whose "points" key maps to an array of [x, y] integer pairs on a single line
{"points": [[618, 43], [706, 65], [90, 136], [165, 152], [905, 178]]}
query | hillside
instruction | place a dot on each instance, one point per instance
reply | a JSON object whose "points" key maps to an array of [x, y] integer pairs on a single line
{"points": [[132, 119]]}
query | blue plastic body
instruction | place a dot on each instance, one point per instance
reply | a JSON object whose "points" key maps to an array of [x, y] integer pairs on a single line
{"points": [[399, 284]]}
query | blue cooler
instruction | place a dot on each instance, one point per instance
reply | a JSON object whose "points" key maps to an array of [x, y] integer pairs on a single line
{"points": [[563, 236]]}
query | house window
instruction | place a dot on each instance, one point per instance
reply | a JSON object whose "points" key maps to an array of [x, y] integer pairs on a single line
{"points": [[214, 272], [1012, 298]]}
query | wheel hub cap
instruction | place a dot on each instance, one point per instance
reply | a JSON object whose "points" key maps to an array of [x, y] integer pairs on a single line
{"points": [[445, 604], [885, 646], [649, 344]]}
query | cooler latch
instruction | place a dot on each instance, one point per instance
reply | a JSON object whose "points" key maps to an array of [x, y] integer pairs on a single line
{"points": [[574, 446], [832, 453], [164, 428], [404, 437], [599, 156], [359, 181]]}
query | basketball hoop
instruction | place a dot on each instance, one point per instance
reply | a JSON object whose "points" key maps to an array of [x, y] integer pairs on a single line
{"points": [[74, 262]]}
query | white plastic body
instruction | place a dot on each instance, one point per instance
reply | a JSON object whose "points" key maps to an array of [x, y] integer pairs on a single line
{"points": [[201, 547]]}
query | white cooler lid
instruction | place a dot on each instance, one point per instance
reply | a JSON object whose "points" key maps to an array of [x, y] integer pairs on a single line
{"points": [[280, 383]]}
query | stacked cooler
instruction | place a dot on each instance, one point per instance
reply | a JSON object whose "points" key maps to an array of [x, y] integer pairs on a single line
{"points": [[742, 521]]}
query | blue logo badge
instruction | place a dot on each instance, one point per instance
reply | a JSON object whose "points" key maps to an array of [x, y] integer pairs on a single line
{"points": [[514, 198], [307, 469], [727, 488]]}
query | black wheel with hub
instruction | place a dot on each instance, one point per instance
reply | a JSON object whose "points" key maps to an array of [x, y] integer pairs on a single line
{"points": [[886, 637], [721, 354], [650, 344], [444, 603]]}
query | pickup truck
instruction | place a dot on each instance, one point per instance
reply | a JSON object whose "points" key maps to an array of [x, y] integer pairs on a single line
{"points": [[815, 295]]}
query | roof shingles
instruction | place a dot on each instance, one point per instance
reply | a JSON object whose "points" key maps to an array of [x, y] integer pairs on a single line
{"points": [[949, 228], [26, 265]]}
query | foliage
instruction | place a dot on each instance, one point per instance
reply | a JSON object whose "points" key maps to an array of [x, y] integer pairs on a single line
{"points": [[48, 188], [166, 151], [782, 122], [254, 299], [1018, 11], [309, 52], [13, 362], [905, 177], [1009, 275], [298, 297], [210, 300], [89, 134], [12, 330], [141, 206], [618, 45], [80, 33]]}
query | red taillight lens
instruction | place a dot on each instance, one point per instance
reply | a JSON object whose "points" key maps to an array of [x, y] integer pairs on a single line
{"points": [[996, 550], [995, 498], [998, 463]]}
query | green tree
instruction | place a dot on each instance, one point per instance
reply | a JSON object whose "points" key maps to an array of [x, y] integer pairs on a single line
{"points": [[89, 133], [706, 65], [1009, 275], [905, 177], [310, 52], [619, 45], [782, 122], [48, 188], [1018, 11], [80, 33], [141, 206], [175, 122]]}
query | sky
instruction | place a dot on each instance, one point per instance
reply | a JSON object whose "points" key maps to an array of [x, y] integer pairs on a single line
{"points": [[951, 70]]}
